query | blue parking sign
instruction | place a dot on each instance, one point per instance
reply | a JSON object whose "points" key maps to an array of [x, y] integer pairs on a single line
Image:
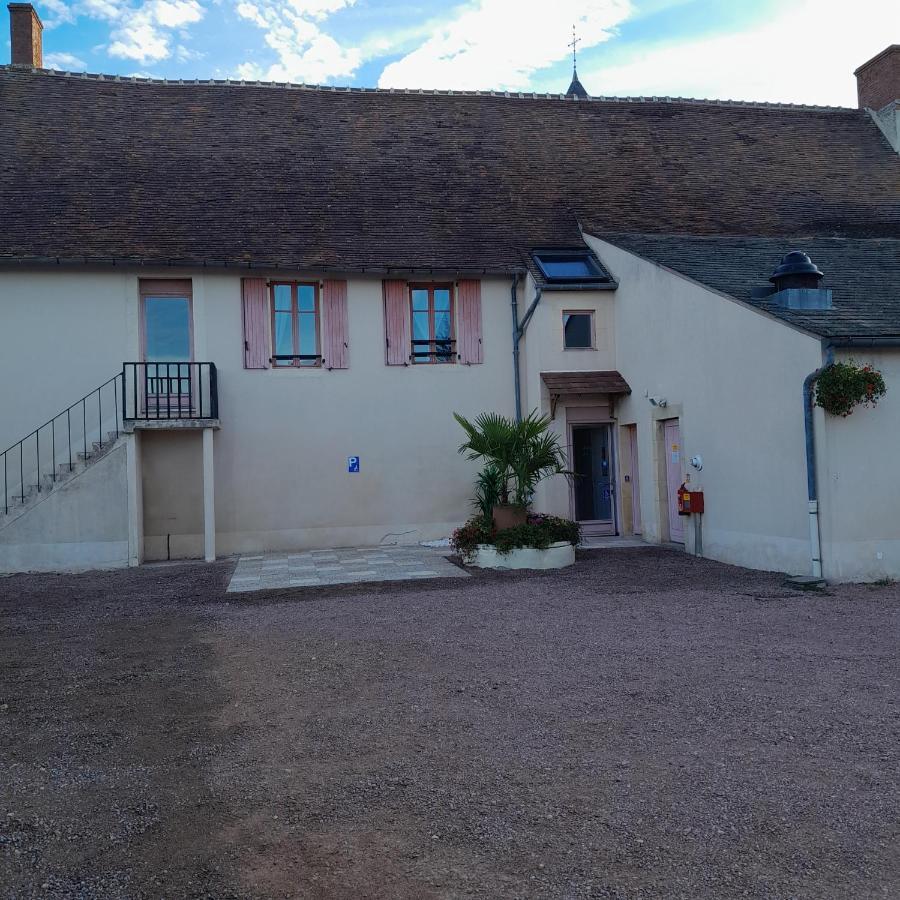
{"points": [[352, 463]]}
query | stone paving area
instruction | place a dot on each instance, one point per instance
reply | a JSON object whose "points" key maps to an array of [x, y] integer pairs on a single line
{"points": [[323, 567]]}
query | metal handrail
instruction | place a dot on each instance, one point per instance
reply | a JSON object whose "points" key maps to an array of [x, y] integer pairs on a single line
{"points": [[39, 471]]}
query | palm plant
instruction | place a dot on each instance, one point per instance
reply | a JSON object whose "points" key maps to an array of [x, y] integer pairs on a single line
{"points": [[488, 486], [522, 453]]}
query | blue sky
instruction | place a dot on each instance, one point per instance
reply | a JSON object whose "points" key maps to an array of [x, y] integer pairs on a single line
{"points": [[800, 51]]}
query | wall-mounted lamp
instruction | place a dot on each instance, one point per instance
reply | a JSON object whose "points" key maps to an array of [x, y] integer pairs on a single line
{"points": [[697, 462], [661, 402]]}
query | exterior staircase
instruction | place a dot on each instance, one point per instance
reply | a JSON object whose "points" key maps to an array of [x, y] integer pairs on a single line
{"points": [[22, 501], [70, 490]]}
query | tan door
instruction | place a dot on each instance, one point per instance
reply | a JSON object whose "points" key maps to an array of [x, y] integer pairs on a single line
{"points": [[674, 477], [630, 478]]}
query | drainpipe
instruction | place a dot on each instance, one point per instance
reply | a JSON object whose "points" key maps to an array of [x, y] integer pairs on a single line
{"points": [[815, 548], [514, 300], [518, 334]]}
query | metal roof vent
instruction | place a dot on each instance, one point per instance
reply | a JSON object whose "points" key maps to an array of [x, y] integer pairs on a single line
{"points": [[796, 283], [797, 270]]}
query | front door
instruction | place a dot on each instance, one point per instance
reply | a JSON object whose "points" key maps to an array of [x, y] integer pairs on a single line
{"points": [[674, 477], [594, 478], [166, 331]]}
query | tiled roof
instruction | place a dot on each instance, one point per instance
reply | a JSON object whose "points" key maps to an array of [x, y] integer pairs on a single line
{"points": [[864, 275], [610, 382], [317, 178]]}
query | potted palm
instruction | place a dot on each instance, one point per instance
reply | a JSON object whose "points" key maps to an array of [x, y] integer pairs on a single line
{"points": [[519, 455]]}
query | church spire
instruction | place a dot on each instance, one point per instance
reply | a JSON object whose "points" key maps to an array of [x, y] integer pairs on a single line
{"points": [[576, 88]]}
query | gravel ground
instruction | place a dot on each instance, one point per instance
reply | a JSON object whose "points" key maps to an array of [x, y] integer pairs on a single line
{"points": [[641, 725]]}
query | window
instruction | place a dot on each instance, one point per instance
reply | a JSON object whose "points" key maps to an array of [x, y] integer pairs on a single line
{"points": [[166, 340], [578, 329], [295, 324], [431, 308], [570, 267]]}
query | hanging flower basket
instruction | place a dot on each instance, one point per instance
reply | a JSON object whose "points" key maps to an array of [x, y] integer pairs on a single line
{"points": [[842, 386]]}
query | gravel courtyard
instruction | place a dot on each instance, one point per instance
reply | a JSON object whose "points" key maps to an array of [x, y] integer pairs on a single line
{"points": [[641, 725]]}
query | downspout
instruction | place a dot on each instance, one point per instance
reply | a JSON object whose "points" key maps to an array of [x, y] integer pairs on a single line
{"points": [[815, 547], [514, 300], [518, 334]]}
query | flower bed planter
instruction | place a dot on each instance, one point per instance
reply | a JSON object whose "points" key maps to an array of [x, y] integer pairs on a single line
{"points": [[556, 556]]}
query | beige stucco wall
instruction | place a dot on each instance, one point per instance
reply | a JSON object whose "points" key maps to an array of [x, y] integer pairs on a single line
{"points": [[64, 332], [281, 454], [733, 376], [859, 481], [281, 474]]}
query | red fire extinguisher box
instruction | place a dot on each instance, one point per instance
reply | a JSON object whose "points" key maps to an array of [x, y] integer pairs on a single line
{"points": [[696, 501]]}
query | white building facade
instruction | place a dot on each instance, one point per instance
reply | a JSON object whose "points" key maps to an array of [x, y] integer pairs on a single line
{"points": [[250, 394]]}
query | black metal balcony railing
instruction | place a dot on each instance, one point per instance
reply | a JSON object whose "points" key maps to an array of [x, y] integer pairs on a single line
{"points": [[441, 350], [154, 391]]}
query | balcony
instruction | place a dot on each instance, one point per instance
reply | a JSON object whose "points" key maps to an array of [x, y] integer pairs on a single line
{"points": [[176, 395]]}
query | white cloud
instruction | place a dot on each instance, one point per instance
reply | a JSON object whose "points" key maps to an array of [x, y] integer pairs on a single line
{"points": [[139, 32], [55, 12], [142, 33], [304, 51], [805, 55], [64, 61], [501, 43]]}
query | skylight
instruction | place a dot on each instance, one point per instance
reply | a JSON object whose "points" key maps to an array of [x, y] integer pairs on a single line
{"points": [[569, 266]]}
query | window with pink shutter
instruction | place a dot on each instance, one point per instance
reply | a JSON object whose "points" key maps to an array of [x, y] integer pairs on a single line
{"points": [[335, 331], [255, 308], [396, 323], [468, 344]]}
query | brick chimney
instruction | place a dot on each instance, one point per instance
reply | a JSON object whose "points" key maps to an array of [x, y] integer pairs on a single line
{"points": [[878, 80], [878, 89], [25, 30]]}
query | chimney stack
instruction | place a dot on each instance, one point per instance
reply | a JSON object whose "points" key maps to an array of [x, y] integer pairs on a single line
{"points": [[25, 36], [878, 80], [878, 88]]}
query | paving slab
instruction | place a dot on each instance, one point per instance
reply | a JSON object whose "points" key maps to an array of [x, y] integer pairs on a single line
{"points": [[350, 566]]}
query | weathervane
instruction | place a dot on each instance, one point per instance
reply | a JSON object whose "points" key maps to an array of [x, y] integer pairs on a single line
{"points": [[574, 45]]}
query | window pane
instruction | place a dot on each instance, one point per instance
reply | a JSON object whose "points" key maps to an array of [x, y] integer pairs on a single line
{"points": [[577, 329], [442, 298], [420, 332], [167, 328], [283, 297], [306, 297], [441, 325], [308, 338], [284, 339], [569, 267], [420, 299]]}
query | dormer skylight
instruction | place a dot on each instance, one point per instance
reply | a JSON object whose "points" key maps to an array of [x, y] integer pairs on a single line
{"points": [[576, 268]]}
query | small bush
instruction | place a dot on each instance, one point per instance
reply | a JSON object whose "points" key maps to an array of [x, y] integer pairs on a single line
{"points": [[465, 540], [539, 532]]}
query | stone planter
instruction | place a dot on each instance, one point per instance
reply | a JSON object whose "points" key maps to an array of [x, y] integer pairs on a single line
{"points": [[508, 515], [556, 556]]}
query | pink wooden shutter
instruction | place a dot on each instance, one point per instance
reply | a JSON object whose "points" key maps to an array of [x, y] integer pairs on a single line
{"points": [[469, 322], [335, 332], [255, 302], [396, 323]]}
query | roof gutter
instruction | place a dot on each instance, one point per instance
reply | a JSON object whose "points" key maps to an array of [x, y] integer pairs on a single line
{"points": [[828, 348]]}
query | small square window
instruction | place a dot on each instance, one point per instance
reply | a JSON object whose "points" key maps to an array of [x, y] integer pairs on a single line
{"points": [[578, 330]]}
